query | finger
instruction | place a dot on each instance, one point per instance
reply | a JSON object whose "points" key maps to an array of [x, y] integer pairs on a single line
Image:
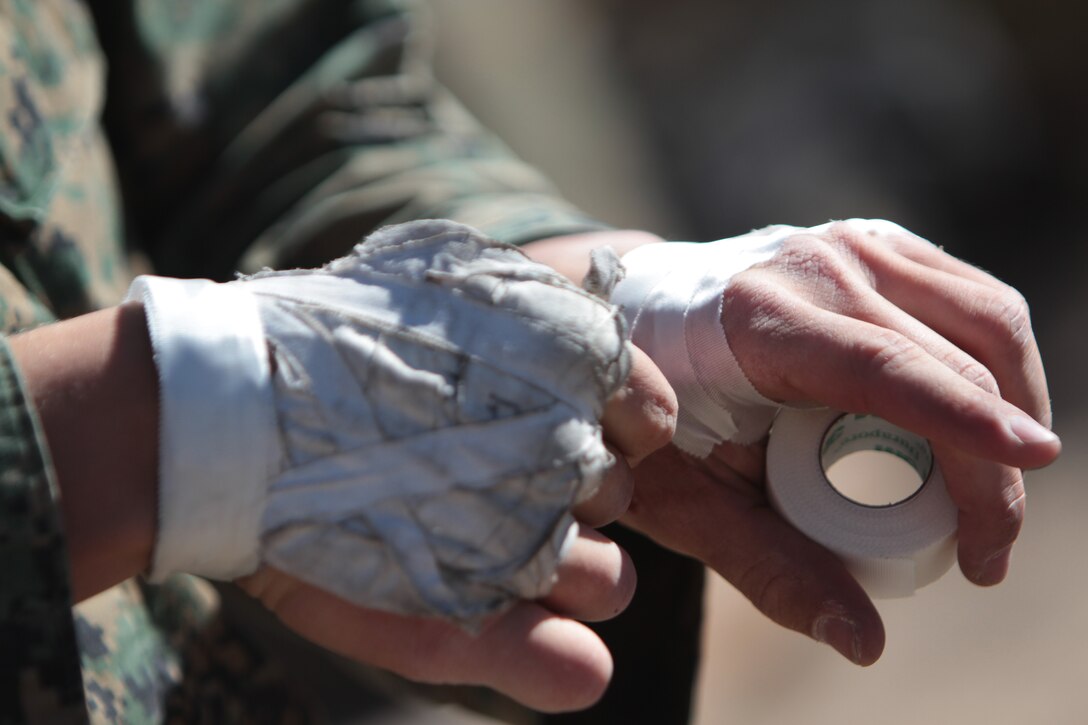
{"points": [[641, 416], [980, 330], [991, 501], [611, 498], [908, 244], [854, 299], [792, 580], [986, 318], [929, 255], [866, 368], [596, 579], [544, 661], [991, 322]]}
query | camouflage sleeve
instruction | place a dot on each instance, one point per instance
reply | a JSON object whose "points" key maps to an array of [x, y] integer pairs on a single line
{"points": [[39, 663], [280, 133]]}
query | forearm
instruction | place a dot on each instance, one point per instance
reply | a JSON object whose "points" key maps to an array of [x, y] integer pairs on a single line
{"points": [[93, 382]]}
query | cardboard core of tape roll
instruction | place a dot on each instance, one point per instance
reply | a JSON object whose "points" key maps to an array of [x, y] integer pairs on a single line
{"points": [[892, 549]]}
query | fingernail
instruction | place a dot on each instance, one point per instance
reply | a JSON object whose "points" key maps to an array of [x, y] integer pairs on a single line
{"points": [[1030, 432], [841, 633]]}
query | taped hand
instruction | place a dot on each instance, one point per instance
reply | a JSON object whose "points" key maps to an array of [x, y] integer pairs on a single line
{"points": [[409, 430], [862, 316]]}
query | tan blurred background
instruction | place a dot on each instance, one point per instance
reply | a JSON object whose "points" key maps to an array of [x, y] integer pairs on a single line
{"points": [[965, 121]]}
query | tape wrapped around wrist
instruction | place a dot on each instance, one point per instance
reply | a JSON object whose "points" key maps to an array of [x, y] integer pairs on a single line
{"points": [[217, 425], [891, 550], [672, 298]]}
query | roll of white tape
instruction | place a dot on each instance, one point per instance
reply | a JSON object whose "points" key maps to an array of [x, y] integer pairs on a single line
{"points": [[891, 549]]}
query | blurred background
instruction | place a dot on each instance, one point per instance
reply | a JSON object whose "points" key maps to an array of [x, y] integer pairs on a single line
{"points": [[964, 120]]}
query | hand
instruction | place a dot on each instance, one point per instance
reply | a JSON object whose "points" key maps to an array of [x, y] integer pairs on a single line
{"points": [[927, 342], [437, 399], [536, 652], [425, 408]]}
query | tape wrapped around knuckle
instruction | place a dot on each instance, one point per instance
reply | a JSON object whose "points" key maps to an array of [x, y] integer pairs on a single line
{"points": [[436, 398]]}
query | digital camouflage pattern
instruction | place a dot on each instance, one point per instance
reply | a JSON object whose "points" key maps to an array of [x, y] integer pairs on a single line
{"points": [[228, 134], [39, 667]]}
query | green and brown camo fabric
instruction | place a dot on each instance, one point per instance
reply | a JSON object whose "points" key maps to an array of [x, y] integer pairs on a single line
{"points": [[225, 135]]}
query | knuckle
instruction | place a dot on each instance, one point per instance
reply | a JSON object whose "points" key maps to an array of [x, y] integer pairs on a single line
{"points": [[878, 357], [851, 233], [877, 354], [651, 423], [1011, 319], [998, 510], [659, 428], [871, 229], [975, 372], [809, 253], [767, 583], [857, 237], [834, 258], [641, 417], [1007, 517]]}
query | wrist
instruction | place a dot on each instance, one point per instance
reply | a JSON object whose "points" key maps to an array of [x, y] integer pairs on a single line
{"points": [[672, 297], [219, 443], [569, 255], [93, 382]]}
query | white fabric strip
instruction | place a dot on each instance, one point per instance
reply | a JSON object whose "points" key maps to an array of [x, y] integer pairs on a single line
{"points": [[218, 425], [672, 299]]}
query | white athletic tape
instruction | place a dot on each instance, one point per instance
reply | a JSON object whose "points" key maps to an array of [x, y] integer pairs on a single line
{"points": [[672, 299], [217, 425], [892, 550]]}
